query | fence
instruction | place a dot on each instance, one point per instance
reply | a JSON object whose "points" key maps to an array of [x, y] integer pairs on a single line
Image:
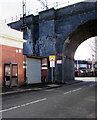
{"points": [[55, 5]]}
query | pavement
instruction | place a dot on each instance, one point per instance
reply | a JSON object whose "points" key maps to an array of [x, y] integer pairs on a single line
{"points": [[32, 87], [26, 88]]}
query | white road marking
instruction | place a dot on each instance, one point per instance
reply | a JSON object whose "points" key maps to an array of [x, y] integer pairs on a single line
{"points": [[92, 85], [79, 89], [23, 105], [50, 90], [72, 91], [76, 89], [67, 92]]}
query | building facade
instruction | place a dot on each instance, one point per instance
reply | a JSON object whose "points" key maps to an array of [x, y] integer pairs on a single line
{"points": [[11, 47]]}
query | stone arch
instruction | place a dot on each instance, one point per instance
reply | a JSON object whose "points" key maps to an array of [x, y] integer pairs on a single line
{"points": [[79, 35]]}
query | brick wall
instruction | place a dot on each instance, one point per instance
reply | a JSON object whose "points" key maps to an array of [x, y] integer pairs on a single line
{"points": [[12, 55]]}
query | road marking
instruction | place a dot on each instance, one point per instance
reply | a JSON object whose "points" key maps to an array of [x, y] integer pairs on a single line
{"points": [[72, 91], [23, 105], [67, 92], [92, 85], [50, 90], [76, 89]]}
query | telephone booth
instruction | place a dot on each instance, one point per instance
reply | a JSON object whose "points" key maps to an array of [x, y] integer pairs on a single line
{"points": [[11, 74]]}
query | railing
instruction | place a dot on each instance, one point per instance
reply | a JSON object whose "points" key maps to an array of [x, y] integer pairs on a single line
{"points": [[55, 5]]}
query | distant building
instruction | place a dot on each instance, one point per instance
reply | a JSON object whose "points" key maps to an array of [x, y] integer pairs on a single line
{"points": [[82, 64], [85, 68]]}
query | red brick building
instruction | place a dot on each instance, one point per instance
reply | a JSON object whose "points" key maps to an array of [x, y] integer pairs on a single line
{"points": [[11, 45]]}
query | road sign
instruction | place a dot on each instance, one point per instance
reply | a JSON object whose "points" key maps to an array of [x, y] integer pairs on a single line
{"points": [[59, 61], [52, 58], [52, 64]]}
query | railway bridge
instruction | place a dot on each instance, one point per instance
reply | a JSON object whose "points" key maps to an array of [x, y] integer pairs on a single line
{"points": [[59, 32]]}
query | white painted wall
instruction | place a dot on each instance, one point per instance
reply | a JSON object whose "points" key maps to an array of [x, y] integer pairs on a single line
{"points": [[10, 37]]}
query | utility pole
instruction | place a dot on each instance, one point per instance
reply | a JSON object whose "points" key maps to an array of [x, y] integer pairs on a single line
{"points": [[24, 10], [46, 4], [93, 62]]}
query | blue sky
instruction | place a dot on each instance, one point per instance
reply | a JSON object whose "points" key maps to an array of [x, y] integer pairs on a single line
{"points": [[11, 8]]}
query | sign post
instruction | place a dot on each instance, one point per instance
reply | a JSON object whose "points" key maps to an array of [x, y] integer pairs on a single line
{"points": [[52, 59]]}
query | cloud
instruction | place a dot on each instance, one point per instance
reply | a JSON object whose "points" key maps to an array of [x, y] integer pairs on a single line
{"points": [[90, 0]]}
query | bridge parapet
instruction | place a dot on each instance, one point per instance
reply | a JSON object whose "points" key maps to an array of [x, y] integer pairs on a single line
{"points": [[78, 8]]}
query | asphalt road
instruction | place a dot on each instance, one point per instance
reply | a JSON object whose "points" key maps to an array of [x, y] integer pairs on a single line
{"points": [[72, 101]]}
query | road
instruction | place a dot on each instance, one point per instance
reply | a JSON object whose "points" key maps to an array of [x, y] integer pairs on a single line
{"points": [[72, 101]]}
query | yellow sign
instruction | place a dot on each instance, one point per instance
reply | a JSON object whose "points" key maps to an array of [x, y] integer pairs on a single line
{"points": [[52, 58]]}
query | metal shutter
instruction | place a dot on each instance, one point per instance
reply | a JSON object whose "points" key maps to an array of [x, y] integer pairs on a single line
{"points": [[33, 72]]}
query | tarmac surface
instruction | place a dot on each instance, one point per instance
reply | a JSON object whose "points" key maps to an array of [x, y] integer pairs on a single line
{"points": [[65, 101]]}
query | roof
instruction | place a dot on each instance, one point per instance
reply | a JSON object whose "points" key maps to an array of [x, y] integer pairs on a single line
{"points": [[7, 32], [82, 62], [37, 57]]}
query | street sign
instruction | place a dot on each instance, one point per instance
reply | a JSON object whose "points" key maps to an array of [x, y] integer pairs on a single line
{"points": [[59, 61], [52, 64], [52, 58]]}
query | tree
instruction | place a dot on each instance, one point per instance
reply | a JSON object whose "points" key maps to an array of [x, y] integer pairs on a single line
{"points": [[93, 47]]}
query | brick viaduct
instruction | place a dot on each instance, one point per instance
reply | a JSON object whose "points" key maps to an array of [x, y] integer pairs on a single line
{"points": [[59, 32]]}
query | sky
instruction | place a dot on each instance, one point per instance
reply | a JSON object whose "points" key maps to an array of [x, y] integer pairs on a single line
{"points": [[13, 8], [85, 51], [10, 8]]}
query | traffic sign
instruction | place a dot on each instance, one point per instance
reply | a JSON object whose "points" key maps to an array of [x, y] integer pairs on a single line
{"points": [[52, 58], [59, 62], [52, 64]]}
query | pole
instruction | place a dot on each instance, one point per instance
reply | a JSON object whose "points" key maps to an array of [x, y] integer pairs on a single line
{"points": [[52, 74], [46, 4], [92, 61], [77, 65], [24, 10]]}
